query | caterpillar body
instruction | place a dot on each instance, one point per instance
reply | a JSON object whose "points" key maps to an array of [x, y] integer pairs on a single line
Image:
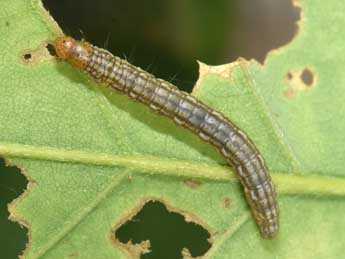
{"points": [[210, 125]]}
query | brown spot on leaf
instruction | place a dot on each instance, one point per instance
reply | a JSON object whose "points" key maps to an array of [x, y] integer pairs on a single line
{"points": [[289, 76], [223, 71], [192, 183], [73, 255], [227, 202], [172, 228], [299, 80]]}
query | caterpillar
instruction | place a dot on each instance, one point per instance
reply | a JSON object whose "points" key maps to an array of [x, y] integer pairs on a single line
{"points": [[166, 99]]}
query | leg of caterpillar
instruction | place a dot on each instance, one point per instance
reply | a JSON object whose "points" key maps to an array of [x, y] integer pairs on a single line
{"points": [[189, 112]]}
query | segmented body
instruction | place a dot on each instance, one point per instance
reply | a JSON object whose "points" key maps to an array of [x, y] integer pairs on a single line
{"points": [[187, 111]]}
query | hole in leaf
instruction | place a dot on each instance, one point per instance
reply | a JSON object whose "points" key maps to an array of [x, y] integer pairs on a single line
{"points": [[307, 77], [164, 233], [167, 37], [27, 56], [13, 236], [299, 80], [51, 49], [192, 183]]}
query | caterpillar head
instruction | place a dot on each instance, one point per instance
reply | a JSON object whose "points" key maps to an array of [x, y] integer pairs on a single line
{"points": [[77, 53]]}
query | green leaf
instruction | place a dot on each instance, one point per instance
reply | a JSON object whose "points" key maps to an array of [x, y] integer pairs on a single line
{"points": [[93, 158]]}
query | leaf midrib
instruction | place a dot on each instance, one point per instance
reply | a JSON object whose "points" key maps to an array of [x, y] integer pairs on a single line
{"points": [[287, 183]]}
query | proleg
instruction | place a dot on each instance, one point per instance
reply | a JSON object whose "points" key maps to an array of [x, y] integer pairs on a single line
{"points": [[210, 125]]}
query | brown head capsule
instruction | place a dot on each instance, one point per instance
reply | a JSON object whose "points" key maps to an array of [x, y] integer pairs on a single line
{"points": [[77, 53]]}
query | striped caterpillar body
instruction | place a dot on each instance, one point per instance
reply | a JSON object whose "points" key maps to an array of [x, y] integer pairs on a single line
{"points": [[210, 125]]}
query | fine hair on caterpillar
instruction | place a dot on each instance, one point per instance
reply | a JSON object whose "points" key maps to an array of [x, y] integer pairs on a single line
{"points": [[187, 111]]}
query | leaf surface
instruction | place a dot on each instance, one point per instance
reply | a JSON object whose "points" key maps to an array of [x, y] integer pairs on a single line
{"points": [[93, 158]]}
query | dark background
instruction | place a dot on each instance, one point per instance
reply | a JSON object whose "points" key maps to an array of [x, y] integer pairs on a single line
{"points": [[165, 38]]}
